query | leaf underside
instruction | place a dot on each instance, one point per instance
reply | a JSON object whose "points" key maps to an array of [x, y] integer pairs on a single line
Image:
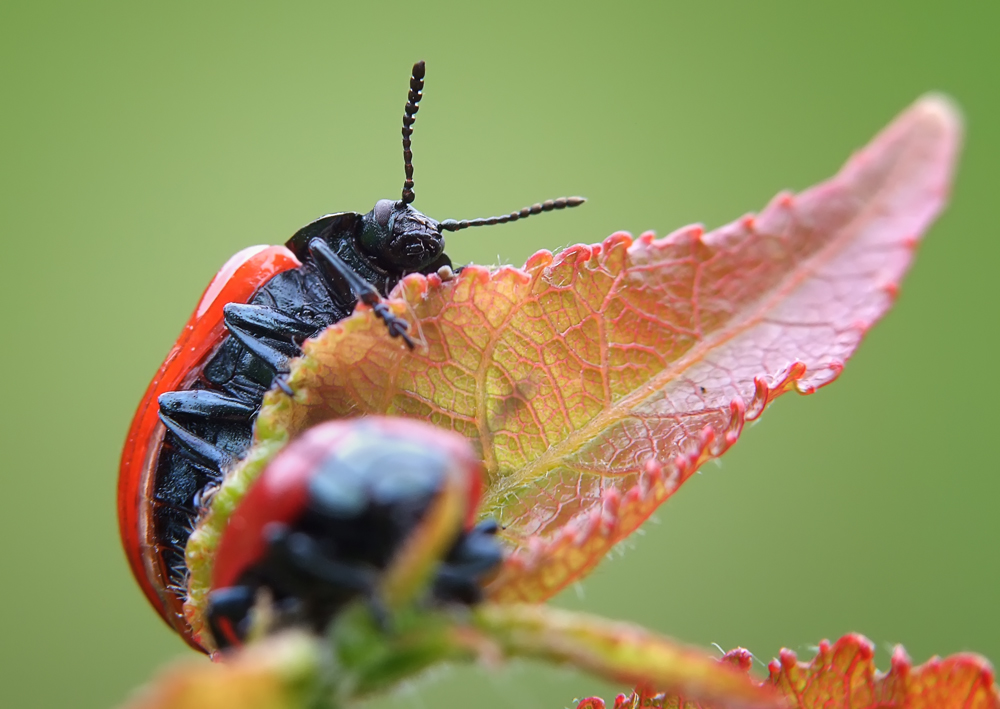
{"points": [[843, 676], [596, 381]]}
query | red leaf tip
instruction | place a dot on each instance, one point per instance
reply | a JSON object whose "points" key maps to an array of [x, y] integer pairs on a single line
{"points": [[538, 260], [740, 658], [901, 663], [939, 108]]}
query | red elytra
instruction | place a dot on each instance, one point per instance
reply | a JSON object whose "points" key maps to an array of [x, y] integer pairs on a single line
{"points": [[237, 281], [282, 490]]}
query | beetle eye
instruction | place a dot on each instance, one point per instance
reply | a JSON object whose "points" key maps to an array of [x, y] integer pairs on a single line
{"points": [[382, 212]]}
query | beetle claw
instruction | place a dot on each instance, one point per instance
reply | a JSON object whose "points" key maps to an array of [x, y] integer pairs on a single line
{"points": [[398, 327], [279, 381]]}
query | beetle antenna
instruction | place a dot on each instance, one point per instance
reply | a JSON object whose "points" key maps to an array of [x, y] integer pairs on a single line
{"points": [[409, 118], [546, 206]]}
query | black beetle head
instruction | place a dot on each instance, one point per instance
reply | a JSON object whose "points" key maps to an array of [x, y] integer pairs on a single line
{"points": [[400, 238]]}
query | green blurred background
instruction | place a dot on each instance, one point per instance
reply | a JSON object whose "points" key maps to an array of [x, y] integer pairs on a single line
{"points": [[143, 145]]}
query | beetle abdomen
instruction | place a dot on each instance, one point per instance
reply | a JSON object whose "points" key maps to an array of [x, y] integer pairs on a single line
{"points": [[181, 477]]}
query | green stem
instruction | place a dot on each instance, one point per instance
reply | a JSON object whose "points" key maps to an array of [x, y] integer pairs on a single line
{"points": [[619, 652]]}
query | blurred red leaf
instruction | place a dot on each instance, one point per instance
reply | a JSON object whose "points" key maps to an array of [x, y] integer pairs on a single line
{"points": [[596, 381], [843, 676], [279, 674]]}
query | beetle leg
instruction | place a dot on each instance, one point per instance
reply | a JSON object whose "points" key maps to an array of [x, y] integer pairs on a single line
{"points": [[279, 381], [476, 553], [300, 554], [301, 561], [293, 562], [189, 511], [202, 403], [348, 287], [397, 326], [227, 609], [274, 358], [338, 277], [199, 448], [266, 321], [213, 475], [250, 324], [488, 526], [242, 387]]}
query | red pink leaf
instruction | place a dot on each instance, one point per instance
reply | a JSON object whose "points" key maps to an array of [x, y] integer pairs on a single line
{"points": [[596, 381], [843, 676]]}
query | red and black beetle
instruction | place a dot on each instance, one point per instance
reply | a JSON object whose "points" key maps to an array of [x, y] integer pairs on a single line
{"points": [[334, 509], [197, 414]]}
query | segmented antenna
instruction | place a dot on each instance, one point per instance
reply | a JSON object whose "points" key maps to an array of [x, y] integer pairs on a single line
{"points": [[409, 118], [546, 206]]}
